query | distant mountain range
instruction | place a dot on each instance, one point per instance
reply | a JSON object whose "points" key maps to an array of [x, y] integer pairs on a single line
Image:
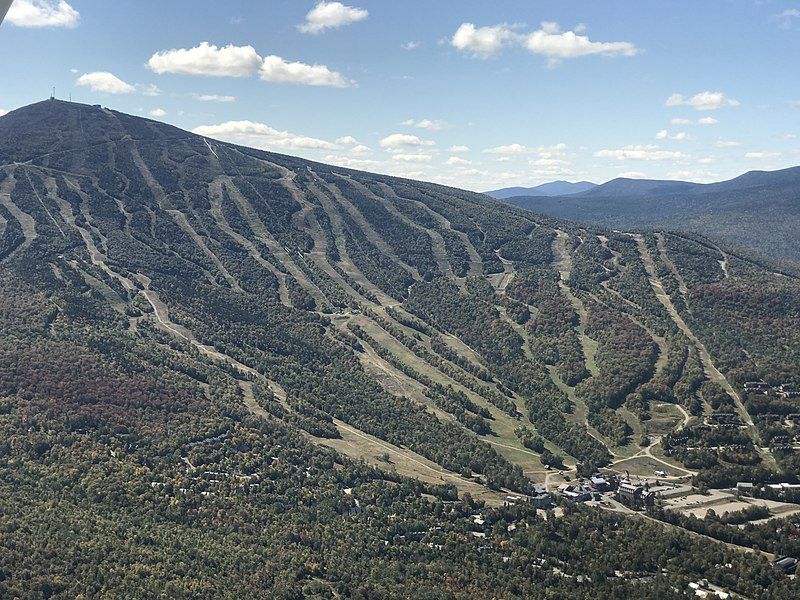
{"points": [[759, 210], [554, 188]]}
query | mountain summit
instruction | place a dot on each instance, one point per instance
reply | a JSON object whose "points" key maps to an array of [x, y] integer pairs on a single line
{"points": [[231, 372]]}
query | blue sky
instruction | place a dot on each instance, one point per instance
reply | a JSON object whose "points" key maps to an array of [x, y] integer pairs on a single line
{"points": [[470, 93]]}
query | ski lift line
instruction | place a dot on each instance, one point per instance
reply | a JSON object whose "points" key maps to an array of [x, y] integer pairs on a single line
{"points": [[210, 148]]}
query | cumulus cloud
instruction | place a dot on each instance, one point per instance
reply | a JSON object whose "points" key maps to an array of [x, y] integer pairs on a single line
{"points": [[429, 124], [42, 13], [105, 82], [702, 101], [330, 15], [158, 113], [762, 155], [361, 149], [214, 98], [347, 140], [458, 149], [640, 152], [242, 61], [260, 135], [414, 158], [3, 111], [277, 70], [548, 41], [664, 135], [457, 160], [410, 45], [556, 45], [482, 41], [727, 144], [701, 121], [207, 59], [400, 140], [509, 149], [633, 175]]}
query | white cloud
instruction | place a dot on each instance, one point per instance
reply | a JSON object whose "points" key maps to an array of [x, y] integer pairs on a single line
{"points": [[482, 41], [701, 121], [399, 140], [330, 15], [148, 89], [347, 140], [361, 149], [415, 158], [260, 135], [706, 160], [702, 101], [633, 175], [787, 18], [3, 111], [277, 70], [664, 135], [42, 13], [352, 163], [207, 59], [548, 41], [640, 152], [727, 144], [508, 149], [457, 160], [105, 82], [762, 155], [430, 125], [158, 112], [214, 98], [410, 45], [458, 149]]}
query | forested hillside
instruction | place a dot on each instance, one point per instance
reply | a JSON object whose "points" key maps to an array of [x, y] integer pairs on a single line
{"points": [[759, 210], [228, 372]]}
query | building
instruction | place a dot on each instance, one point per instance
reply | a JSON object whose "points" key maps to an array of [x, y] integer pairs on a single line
{"points": [[787, 564], [540, 497], [576, 493], [745, 488], [634, 494], [598, 483]]}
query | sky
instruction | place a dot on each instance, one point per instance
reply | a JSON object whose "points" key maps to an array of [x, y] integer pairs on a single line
{"points": [[474, 94]]}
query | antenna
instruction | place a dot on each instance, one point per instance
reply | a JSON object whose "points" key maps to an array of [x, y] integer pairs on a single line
{"points": [[53, 97]]}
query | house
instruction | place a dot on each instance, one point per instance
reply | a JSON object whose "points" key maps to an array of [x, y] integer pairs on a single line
{"points": [[576, 493], [787, 564], [745, 488]]}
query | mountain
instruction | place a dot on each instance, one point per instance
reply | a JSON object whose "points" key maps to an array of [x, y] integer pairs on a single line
{"points": [[759, 210], [554, 188], [230, 372]]}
